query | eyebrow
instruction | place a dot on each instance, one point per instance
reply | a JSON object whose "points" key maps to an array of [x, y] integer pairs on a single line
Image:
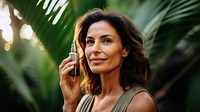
{"points": [[105, 35]]}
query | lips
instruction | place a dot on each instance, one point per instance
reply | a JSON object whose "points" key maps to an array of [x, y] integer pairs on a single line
{"points": [[97, 60]]}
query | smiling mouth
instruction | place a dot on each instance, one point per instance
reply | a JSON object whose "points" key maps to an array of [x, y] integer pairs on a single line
{"points": [[97, 61]]}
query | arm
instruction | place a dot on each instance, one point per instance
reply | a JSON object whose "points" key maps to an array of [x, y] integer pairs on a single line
{"points": [[142, 102], [70, 87], [69, 107]]}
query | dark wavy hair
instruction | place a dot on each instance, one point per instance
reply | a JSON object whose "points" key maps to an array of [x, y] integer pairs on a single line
{"points": [[135, 67]]}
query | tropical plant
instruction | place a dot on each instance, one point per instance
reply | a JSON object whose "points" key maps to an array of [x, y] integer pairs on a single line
{"points": [[27, 73], [171, 29], [31, 73]]}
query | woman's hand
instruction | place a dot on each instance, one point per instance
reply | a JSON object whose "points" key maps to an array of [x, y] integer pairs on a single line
{"points": [[70, 86]]}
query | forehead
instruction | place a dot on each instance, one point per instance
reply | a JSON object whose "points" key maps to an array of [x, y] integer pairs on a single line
{"points": [[100, 28]]}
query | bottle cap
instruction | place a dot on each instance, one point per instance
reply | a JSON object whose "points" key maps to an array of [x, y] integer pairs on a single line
{"points": [[73, 46]]}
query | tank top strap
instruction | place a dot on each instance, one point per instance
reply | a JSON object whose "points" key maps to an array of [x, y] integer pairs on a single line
{"points": [[122, 103], [87, 104], [126, 98]]}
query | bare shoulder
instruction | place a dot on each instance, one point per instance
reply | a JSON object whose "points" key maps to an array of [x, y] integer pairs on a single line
{"points": [[81, 102], [142, 102]]}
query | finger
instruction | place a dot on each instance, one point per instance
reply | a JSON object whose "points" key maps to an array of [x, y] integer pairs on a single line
{"points": [[67, 70], [77, 79], [64, 74], [67, 65], [64, 62]]}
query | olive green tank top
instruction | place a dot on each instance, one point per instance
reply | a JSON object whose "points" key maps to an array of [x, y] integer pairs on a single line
{"points": [[122, 103]]}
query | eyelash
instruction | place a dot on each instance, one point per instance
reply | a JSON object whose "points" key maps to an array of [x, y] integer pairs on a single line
{"points": [[90, 42], [107, 41]]}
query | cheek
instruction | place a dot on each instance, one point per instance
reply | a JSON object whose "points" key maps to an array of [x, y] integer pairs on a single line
{"points": [[87, 52], [114, 52]]}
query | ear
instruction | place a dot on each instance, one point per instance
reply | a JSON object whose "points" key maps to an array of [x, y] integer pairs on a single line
{"points": [[125, 51]]}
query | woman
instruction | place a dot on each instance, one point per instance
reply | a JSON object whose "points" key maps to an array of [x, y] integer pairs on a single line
{"points": [[117, 73]]}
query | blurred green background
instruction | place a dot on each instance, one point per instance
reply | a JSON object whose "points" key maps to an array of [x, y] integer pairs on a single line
{"points": [[35, 36]]}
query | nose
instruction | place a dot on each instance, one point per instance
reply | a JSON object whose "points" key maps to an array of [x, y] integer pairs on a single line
{"points": [[96, 48]]}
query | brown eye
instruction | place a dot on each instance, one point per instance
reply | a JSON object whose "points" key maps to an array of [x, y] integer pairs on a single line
{"points": [[107, 41], [89, 42]]}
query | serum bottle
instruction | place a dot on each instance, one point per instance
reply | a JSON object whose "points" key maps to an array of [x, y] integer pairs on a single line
{"points": [[75, 57]]}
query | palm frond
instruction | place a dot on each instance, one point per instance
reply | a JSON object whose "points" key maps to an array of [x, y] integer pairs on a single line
{"points": [[181, 15], [33, 72], [53, 23], [15, 77]]}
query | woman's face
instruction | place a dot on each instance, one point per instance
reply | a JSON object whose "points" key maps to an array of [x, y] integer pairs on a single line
{"points": [[104, 51]]}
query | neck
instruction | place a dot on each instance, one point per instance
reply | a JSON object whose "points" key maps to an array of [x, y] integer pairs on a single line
{"points": [[110, 84]]}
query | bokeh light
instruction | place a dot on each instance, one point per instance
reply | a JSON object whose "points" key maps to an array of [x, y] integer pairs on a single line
{"points": [[6, 46], [26, 32], [7, 34]]}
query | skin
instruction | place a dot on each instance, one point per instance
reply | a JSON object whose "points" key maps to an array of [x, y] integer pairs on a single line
{"points": [[70, 87], [104, 53]]}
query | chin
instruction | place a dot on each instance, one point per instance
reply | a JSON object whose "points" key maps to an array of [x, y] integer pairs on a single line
{"points": [[98, 71]]}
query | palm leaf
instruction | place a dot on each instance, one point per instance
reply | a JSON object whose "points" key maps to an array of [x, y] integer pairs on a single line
{"points": [[167, 14], [14, 75], [53, 23], [174, 25], [185, 24]]}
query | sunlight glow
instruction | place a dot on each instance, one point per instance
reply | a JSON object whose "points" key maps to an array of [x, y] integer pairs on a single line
{"points": [[7, 34], [59, 14], [17, 14], [49, 18], [45, 4], [59, 4], [6, 46], [4, 22], [4, 18], [51, 7], [38, 2], [26, 32], [55, 6]]}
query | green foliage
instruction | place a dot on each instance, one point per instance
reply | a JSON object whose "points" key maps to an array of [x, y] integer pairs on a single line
{"points": [[14, 73], [171, 29], [31, 73], [52, 30]]}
